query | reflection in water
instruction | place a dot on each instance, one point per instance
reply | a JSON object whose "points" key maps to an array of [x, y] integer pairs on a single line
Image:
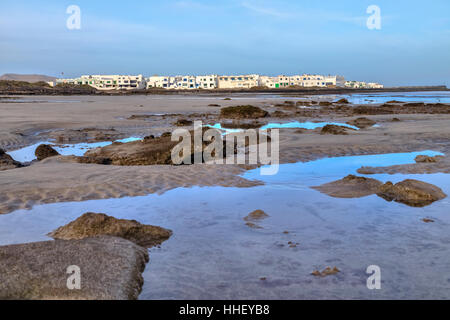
{"points": [[214, 255]]}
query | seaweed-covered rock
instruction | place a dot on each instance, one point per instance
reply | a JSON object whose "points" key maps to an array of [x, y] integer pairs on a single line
{"points": [[45, 151], [243, 112], [95, 224], [411, 192]]}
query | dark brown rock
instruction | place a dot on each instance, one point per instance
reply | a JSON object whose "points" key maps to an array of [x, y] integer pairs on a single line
{"points": [[427, 159], [95, 224], [243, 112], [362, 123], [411, 192], [45, 151], [350, 187], [334, 129], [183, 123], [256, 215], [7, 162]]}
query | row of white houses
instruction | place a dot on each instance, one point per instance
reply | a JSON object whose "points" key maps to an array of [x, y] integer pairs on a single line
{"points": [[208, 82]]}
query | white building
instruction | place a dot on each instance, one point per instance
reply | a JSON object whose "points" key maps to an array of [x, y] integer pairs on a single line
{"points": [[238, 82], [207, 82], [107, 82]]}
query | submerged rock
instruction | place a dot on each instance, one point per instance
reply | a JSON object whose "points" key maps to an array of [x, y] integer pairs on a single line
{"points": [[45, 151], [110, 269], [328, 271], [243, 112], [7, 162], [256, 215], [362, 123], [411, 192], [427, 159], [343, 101], [95, 224], [350, 187]]}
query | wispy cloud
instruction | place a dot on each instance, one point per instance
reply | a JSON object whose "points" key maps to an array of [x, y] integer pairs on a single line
{"points": [[264, 10]]}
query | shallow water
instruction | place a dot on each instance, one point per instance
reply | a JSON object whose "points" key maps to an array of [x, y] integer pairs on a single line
{"points": [[214, 255], [288, 125], [26, 154], [378, 98]]}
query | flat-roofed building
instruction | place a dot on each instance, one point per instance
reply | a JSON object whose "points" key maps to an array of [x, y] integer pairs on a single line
{"points": [[207, 82], [238, 82]]}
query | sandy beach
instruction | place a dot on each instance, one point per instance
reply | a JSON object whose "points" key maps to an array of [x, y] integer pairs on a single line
{"points": [[65, 120]]}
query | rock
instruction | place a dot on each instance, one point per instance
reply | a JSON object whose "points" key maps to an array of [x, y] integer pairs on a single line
{"points": [[343, 101], [362, 123], [213, 105], [110, 269], [243, 112], [328, 271], [325, 103], [96, 224], [256, 216], [150, 151], [334, 129], [7, 162], [427, 159], [183, 123], [395, 120], [411, 192], [426, 220], [350, 187], [94, 160], [45, 151]]}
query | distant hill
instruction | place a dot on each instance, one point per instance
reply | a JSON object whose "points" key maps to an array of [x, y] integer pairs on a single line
{"points": [[26, 77]]}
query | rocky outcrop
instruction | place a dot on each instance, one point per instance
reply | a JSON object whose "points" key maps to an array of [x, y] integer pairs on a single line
{"points": [[411, 192], [45, 151], [243, 112], [350, 187], [110, 269], [427, 159], [7, 162], [362, 123], [343, 101], [96, 224], [242, 125], [149, 151]]}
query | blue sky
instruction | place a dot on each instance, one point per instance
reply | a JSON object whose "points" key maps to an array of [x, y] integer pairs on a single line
{"points": [[230, 37]]}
